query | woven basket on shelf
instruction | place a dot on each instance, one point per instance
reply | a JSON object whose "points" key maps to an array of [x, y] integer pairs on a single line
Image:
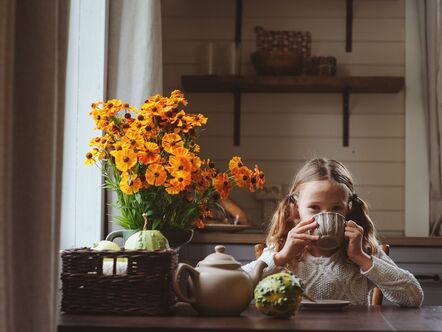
{"points": [[276, 62], [280, 52], [144, 287], [320, 66]]}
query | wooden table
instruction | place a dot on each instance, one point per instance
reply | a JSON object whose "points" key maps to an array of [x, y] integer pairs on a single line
{"points": [[184, 319]]}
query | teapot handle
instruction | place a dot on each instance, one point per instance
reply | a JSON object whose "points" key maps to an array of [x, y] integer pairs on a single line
{"points": [[176, 286]]}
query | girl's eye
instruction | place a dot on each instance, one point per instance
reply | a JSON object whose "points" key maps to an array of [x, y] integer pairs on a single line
{"points": [[336, 208], [314, 207]]}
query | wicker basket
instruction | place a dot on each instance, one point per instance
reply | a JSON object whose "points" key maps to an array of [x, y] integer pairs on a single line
{"points": [[320, 66], [145, 287], [288, 41], [276, 62]]}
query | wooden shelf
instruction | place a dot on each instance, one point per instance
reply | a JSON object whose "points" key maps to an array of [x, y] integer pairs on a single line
{"points": [[293, 84]]}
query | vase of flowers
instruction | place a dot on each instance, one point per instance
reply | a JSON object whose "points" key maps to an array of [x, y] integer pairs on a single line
{"points": [[149, 158]]}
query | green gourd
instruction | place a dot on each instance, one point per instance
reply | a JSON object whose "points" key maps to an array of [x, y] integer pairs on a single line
{"points": [[279, 294], [151, 240]]}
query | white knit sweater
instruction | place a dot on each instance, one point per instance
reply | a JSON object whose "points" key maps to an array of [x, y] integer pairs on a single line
{"points": [[338, 278]]}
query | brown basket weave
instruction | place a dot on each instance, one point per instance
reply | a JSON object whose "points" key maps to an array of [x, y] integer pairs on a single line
{"points": [[276, 62], [288, 41], [145, 288]]}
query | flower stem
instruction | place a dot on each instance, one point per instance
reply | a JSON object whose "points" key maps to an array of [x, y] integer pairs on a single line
{"points": [[145, 221]]}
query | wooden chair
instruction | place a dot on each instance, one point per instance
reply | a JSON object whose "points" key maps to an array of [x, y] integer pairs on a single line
{"points": [[377, 296]]}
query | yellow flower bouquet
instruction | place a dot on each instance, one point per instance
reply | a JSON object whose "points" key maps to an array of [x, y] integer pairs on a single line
{"points": [[150, 159]]}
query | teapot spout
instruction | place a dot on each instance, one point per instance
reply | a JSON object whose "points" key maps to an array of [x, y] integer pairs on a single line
{"points": [[257, 272]]}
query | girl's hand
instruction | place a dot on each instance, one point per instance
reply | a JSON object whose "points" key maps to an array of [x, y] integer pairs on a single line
{"points": [[297, 238], [354, 234]]}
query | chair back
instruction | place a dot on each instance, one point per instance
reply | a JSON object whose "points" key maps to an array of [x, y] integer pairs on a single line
{"points": [[377, 296], [259, 248]]}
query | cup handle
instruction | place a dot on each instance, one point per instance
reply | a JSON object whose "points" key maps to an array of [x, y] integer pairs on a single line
{"points": [[176, 286], [113, 235]]}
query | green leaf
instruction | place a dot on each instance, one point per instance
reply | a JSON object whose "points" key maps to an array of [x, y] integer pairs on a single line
{"points": [[156, 223]]}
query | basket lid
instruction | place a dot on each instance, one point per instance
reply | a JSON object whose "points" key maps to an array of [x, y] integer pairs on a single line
{"points": [[220, 259]]}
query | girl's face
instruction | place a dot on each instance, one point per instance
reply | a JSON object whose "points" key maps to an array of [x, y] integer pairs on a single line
{"points": [[321, 196]]}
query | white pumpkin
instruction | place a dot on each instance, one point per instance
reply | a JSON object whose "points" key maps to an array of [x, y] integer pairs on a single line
{"points": [[105, 245]]}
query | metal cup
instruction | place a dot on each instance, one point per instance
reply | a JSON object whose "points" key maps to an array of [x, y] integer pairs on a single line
{"points": [[330, 229]]}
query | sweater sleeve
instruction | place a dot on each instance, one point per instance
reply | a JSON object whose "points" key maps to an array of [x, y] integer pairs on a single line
{"points": [[266, 257], [397, 285]]}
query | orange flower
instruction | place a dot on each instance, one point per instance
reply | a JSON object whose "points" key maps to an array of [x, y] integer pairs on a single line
{"points": [[114, 148], [196, 163], [242, 177], [130, 183], [172, 141], [235, 163], [178, 119], [203, 179], [180, 180], [180, 151], [149, 154], [178, 97], [133, 140], [199, 223], [96, 141], [222, 185], [259, 176], [196, 120], [113, 106], [179, 164], [90, 157], [143, 122], [125, 159], [155, 175], [171, 189]]}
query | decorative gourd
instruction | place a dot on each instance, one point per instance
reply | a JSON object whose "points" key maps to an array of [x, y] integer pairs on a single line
{"points": [[105, 245], [150, 240], [279, 294]]}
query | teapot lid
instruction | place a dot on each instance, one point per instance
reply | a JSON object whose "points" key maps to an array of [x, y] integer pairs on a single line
{"points": [[220, 259]]}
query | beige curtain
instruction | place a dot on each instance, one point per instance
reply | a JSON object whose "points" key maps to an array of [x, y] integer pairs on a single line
{"points": [[135, 57], [430, 14], [135, 69], [32, 38]]}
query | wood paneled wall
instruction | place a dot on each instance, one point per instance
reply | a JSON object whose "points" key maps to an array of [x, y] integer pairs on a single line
{"points": [[280, 131]]}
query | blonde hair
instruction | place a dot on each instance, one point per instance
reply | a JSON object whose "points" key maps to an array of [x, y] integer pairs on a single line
{"points": [[316, 170]]}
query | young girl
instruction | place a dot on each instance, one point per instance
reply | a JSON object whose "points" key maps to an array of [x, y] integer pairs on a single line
{"points": [[349, 273]]}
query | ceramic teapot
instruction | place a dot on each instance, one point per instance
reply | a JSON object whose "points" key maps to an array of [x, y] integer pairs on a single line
{"points": [[218, 286]]}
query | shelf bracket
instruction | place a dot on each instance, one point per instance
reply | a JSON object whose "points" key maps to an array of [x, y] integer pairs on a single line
{"points": [[349, 26], [345, 116]]}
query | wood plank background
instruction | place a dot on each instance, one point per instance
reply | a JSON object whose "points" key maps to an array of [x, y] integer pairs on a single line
{"points": [[280, 131]]}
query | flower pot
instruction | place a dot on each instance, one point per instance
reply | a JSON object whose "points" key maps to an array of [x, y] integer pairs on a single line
{"points": [[176, 237], [122, 233]]}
